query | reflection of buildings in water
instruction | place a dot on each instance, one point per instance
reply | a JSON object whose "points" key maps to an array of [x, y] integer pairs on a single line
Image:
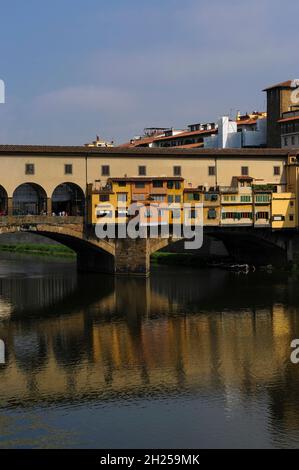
{"points": [[5, 309], [144, 338], [75, 357], [28, 294]]}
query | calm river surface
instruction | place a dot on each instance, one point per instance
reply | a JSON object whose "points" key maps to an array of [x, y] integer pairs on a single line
{"points": [[187, 358]]}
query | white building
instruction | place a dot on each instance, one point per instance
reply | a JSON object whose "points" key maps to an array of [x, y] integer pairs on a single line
{"points": [[238, 134]]}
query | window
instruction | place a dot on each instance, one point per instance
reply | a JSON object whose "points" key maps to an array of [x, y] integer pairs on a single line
{"points": [[105, 170], [177, 199], [291, 217], [29, 169], [293, 140], [177, 185], [262, 198], [245, 198], [122, 184], [176, 171], [262, 215], [212, 171], [142, 170], [158, 197], [193, 197], [276, 170], [237, 215], [192, 214], [170, 184], [138, 197], [140, 185], [169, 199], [68, 169], [104, 197], [122, 197], [285, 141], [211, 197], [211, 214], [244, 171], [291, 203], [157, 184]]}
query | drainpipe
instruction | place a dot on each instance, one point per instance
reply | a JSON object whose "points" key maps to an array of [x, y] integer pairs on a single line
{"points": [[86, 193]]}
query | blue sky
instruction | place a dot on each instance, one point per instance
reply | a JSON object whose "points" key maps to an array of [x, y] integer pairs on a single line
{"points": [[77, 68]]}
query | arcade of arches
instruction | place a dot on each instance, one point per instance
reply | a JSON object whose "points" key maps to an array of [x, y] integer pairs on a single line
{"points": [[31, 199]]}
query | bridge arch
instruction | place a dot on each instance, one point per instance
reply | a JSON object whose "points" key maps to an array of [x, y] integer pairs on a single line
{"points": [[3, 201], [69, 198], [29, 199]]}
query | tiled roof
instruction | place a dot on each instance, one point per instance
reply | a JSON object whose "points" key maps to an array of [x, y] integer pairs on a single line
{"points": [[286, 84], [246, 122], [148, 140], [190, 146], [293, 118], [96, 152], [147, 178]]}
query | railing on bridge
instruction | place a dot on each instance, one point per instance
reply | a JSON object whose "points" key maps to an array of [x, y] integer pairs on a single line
{"points": [[39, 219]]}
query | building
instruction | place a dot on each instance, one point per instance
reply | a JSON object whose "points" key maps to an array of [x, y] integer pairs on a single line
{"points": [[242, 133], [289, 129], [280, 100], [160, 201], [99, 143], [193, 137]]}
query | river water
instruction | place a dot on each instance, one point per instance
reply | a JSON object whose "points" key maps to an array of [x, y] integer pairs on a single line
{"points": [[186, 359]]}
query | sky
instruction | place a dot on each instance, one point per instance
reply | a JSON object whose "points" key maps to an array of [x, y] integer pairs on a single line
{"points": [[77, 68]]}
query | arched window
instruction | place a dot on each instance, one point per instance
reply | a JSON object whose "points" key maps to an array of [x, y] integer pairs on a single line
{"points": [[68, 198], [29, 199]]}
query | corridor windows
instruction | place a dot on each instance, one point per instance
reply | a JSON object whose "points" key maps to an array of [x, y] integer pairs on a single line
{"points": [[177, 171], [68, 169], [244, 170], [29, 169], [105, 170], [276, 170], [212, 170], [142, 170]]}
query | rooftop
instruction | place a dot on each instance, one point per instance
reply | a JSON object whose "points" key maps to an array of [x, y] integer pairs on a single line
{"points": [[96, 152], [286, 84]]}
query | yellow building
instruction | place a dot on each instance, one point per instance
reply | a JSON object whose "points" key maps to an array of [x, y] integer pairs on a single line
{"points": [[114, 199], [262, 199], [283, 210], [237, 202]]}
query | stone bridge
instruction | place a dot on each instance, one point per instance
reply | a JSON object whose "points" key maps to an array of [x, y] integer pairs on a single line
{"points": [[120, 256], [132, 256]]}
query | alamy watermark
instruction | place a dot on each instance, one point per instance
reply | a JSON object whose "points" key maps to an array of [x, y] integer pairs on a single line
{"points": [[2, 92], [295, 92], [162, 220], [295, 353], [2, 352]]}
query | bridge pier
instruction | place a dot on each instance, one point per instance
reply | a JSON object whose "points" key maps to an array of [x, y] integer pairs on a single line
{"points": [[9, 206], [132, 256]]}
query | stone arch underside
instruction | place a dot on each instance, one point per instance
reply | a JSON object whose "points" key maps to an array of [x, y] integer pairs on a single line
{"points": [[92, 255]]}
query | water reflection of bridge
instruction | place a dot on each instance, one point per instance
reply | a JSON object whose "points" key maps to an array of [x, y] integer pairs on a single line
{"points": [[158, 337]]}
